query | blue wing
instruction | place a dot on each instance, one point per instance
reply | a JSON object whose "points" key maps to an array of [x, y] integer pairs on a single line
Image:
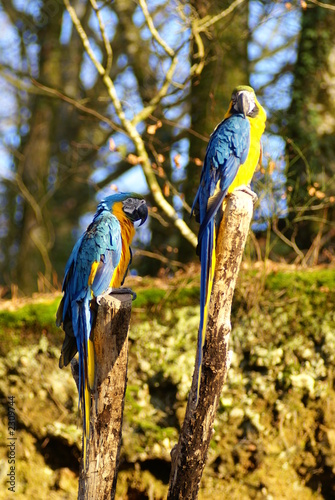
{"points": [[227, 149]]}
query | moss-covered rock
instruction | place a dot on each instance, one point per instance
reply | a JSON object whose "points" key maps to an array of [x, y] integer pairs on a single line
{"points": [[274, 433]]}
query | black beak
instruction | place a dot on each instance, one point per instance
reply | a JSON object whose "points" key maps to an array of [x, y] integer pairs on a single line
{"points": [[136, 209], [142, 212], [243, 104]]}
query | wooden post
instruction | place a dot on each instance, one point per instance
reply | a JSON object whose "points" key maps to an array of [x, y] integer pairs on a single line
{"points": [[111, 360], [189, 455]]}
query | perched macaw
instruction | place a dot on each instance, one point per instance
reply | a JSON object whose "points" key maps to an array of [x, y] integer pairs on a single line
{"points": [[99, 261], [232, 155]]}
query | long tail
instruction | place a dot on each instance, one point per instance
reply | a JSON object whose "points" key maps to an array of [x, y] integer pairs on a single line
{"points": [[82, 328], [207, 258]]}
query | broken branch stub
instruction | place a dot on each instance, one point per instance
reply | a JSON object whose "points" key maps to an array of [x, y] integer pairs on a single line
{"points": [[106, 416], [190, 454]]}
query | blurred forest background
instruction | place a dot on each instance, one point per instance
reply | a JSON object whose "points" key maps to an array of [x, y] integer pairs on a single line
{"points": [[98, 96]]}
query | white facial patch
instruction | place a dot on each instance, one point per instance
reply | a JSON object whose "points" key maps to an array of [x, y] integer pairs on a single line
{"points": [[250, 98]]}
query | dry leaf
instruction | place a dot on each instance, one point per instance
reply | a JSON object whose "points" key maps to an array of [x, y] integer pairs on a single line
{"points": [[166, 190], [161, 172], [151, 129], [133, 159], [177, 160], [271, 166], [320, 195], [112, 145]]}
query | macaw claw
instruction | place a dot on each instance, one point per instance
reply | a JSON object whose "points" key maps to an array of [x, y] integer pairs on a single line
{"points": [[124, 291], [103, 295], [248, 190], [116, 291]]}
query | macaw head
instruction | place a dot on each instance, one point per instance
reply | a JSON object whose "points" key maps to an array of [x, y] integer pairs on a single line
{"points": [[133, 205], [244, 101], [135, 208]]}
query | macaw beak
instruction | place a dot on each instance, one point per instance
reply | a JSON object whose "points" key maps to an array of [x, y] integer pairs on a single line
{"points": [[142, 212], [136, 209], [243, 104]]}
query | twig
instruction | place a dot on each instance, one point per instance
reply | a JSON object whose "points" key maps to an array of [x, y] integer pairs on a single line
{"points": [[108, 47], [206, 22], [148, 110], [77, 105], [153, 30], [321, 4], [288, 242], [202, 25], [161, 258], [171, 186]]}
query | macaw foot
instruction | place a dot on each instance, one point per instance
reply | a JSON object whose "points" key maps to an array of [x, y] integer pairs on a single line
{"points": [[248, 190], [116, 291], [124, 291], [105, 294]]}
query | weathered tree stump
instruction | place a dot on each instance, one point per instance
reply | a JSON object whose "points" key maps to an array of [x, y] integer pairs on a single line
{"points": [[189, 456], [111, 360]]}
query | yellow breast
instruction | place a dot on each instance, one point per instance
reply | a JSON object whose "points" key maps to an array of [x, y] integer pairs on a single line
{"points": [[246, 171], [127, 234]]}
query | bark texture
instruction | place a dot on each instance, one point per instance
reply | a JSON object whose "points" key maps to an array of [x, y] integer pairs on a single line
{"points": [[111, 361], [189, 456]]}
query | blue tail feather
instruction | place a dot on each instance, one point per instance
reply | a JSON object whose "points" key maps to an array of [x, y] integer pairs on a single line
{"points": [[81, 318], [206, 256]]}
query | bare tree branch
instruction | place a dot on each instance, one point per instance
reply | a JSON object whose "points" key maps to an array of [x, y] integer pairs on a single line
{"points": [[321, 4], [108, 47], [148, 110], [153, 30], [132, 132], [208, 21], [78, 105]]}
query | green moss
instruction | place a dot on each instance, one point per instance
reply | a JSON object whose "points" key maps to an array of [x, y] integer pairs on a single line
{"points": [[28, 322], [42, 313], [277, 403], [162, 297], [302, 281]]}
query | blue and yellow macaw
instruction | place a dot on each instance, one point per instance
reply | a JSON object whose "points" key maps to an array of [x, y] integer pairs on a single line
{"points": [[98, 263], [232, 155]]}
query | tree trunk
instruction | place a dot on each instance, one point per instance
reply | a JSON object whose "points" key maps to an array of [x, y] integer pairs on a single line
{"points": [[311, 127], [111, 361], [226, 66], [189, 456]]}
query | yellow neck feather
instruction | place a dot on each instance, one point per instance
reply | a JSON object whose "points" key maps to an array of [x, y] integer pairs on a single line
{"points": [[127, 234]]}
